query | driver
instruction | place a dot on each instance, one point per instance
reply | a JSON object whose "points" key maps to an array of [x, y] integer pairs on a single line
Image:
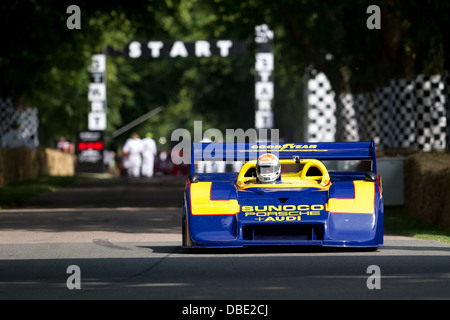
{"points": [[268, 168]]}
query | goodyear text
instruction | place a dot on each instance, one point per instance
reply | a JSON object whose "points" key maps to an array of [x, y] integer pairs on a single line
{"points": [[286, 146]]}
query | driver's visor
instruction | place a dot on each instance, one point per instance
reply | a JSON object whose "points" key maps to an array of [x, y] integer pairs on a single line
{"points": [[266, 169]]}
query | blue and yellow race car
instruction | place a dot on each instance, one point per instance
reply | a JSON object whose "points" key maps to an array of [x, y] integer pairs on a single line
{"points": [[323, 194]]}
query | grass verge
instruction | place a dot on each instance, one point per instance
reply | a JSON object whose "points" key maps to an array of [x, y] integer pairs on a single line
{"points": [[396, 221], [16, 193]]}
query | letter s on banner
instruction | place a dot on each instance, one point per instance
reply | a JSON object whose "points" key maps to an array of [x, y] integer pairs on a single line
{"points": [[134, 49]]}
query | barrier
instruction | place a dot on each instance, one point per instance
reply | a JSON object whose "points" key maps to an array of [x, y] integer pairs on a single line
{"points": [[392, 174], [427, 195], [18, 164]]}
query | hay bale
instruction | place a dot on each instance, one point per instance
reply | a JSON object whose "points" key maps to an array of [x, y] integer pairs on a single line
{"points": [[18, 164], [427, 193], [59, 163]]}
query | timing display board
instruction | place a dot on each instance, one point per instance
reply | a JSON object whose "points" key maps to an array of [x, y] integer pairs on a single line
{"points": [[89, 150]]}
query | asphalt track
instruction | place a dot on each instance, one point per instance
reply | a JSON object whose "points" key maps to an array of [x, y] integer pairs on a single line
{"points": [[125, 236]]}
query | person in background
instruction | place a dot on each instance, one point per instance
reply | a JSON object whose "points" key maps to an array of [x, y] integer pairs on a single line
{"points": [[132, 151], [13, 138], [161, 163], [63, 145], [148, 155]]}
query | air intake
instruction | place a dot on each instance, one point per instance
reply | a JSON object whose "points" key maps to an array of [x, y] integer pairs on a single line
{"points": [[284, 233]]}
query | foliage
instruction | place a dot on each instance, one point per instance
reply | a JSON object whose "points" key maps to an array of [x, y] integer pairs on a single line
{"points": [[44, 64]]}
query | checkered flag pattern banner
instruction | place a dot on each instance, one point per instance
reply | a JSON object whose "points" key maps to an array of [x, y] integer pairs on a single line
{"points": [[365, 106], [431, 112], [400, 123], [346, 120], [405, 114], [321, 119], [27, 119], [447, 105], [383, 107], [8, 115]]}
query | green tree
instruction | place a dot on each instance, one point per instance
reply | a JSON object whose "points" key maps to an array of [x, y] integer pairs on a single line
{"points": [[44, 64]]}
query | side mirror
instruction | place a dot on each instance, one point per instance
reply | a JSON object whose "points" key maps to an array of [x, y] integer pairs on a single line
{"points": [[370, 176], [193, 178]]}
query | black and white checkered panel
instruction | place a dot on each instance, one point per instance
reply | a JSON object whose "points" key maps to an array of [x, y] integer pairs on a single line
{"points": [[382, 102], [8, 115], [346, 120], [405, 114], [321, 107], [402, 115], [431, 114], [27, 120], [29, 125], [446, 80], [367, 117], [360, 103]]}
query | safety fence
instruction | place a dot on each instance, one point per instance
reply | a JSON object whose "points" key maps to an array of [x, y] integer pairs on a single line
{"points": [[410, 114], [26, 118]]}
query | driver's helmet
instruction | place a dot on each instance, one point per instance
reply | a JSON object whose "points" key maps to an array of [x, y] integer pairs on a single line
{"points": [[268, 168]]}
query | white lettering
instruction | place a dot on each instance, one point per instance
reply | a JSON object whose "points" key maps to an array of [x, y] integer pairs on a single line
{"points": [[178, 49], [224, 46], [134, 49], [199, 310], [202, 49], [155, 47]]}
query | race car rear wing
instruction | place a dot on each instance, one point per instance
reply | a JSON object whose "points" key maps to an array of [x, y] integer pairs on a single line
{"points": [[211, 151]]}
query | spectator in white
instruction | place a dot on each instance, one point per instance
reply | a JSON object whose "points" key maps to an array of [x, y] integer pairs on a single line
{"points": [[13, 138], [148, 155], [132, 150]]}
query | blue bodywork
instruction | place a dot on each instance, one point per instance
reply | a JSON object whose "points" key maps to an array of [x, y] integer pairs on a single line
{"points": [[286, 215]]}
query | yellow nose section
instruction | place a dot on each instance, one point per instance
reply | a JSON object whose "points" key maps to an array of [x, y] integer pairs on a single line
{"points": [[363, 202], [201, 203]]}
